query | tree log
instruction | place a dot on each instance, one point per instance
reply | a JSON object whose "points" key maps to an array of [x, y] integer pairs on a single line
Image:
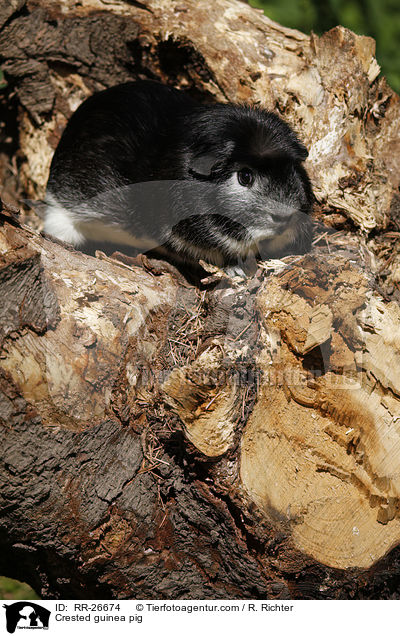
{"points": [[239, 442]]}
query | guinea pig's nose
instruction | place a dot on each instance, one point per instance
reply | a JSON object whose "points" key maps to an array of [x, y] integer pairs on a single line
{"points": [[281, 218]]}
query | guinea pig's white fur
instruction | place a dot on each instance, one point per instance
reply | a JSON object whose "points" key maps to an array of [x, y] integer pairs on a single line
{"points": [[143, 165], [72, 228]]}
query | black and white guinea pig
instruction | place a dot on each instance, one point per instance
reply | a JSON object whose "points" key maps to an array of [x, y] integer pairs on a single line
{"points": [[144, 165]]}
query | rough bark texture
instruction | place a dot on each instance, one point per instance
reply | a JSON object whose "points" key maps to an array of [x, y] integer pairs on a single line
{"points": [[165, 442]]}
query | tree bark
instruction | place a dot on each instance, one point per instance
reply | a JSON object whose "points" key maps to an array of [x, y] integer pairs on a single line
{"points": [[239, 442]]}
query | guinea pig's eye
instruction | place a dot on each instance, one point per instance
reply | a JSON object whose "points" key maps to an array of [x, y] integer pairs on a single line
{"points": [[245, 177]]}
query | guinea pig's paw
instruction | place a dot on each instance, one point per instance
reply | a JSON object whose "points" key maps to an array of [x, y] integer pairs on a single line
{"points": [[234, 271]]}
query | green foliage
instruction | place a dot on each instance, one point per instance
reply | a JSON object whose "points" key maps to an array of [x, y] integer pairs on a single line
{"points": [[380, 20], [11, 590]]}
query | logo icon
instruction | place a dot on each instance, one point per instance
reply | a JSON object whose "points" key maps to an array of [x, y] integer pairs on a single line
{"points": [[26, 615]]}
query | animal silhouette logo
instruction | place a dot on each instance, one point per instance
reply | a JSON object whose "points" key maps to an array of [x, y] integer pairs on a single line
{"points": [[26, 615]]}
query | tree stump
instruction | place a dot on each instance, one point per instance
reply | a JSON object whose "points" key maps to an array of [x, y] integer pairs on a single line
{"points": [[163, 441]]}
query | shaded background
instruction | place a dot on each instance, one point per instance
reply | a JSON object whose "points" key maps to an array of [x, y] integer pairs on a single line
{"points": [[379, 19]]}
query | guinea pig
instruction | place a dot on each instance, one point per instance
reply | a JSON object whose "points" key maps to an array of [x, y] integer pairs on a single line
{"points": [[142, 164]]}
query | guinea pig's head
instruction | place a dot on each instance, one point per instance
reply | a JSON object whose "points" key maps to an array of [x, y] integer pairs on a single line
{"points": [[252, 161]]}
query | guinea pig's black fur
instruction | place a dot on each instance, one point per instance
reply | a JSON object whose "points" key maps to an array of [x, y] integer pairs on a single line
{"points": [[143, 164]]}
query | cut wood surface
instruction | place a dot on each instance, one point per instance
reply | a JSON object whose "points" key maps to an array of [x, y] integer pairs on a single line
{"points": [[162, 441], [286, 389]]}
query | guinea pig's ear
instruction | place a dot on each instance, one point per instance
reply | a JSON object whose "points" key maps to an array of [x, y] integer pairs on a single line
{"points": [[202, 165]]}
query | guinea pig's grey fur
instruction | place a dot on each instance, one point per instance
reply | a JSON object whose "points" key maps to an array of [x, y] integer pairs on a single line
{"points": [[144, 165]]}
